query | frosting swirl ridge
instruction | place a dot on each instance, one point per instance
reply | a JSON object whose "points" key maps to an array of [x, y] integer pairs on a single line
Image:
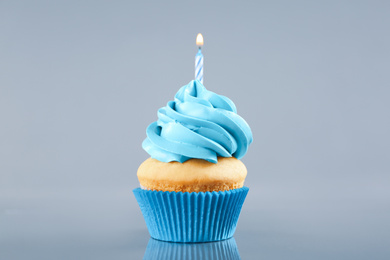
{"points": [[197, 124]]}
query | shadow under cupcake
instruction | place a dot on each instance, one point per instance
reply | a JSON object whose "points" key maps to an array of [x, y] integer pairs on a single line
{"points": [[226, 250]]}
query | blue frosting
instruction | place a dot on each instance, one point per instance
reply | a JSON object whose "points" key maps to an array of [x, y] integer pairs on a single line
{"points": [[197, 124]]}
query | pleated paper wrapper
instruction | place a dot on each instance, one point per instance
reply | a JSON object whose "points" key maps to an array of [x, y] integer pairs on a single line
{"points": [[191, 217], [221, 250]]}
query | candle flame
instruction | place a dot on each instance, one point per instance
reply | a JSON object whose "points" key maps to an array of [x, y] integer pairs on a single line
{"points": [[199, 39]]}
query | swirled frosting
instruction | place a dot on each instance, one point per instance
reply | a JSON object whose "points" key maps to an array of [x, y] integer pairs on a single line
{"points": [[197, 124]]}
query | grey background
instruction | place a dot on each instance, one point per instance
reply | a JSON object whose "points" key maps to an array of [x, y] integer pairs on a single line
{"points": [[81, 80]]}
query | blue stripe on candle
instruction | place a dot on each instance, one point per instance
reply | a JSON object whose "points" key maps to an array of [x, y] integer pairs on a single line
{"points": [[200, 70], [199, 60]]}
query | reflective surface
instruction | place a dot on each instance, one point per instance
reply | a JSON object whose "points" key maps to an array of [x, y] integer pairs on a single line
{"points": [[101, 224]]}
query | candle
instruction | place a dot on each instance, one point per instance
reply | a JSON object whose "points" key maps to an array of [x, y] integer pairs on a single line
{"points": [[199, 59]]}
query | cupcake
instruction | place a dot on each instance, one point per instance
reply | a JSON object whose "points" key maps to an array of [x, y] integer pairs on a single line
{"points": [[192, 186]]}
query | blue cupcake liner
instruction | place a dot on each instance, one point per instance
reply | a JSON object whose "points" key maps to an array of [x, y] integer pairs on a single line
{"points": [[191, 217], [226, 250]]}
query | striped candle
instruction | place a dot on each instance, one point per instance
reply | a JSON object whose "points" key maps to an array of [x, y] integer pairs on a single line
{"points": [[199, 59]]}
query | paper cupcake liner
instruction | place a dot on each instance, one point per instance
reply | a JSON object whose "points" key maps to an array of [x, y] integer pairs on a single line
{"points": [[226, 250], [191, 217]]}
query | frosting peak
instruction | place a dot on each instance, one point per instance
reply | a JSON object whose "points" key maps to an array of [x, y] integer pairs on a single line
{"points": [[197, 124]]}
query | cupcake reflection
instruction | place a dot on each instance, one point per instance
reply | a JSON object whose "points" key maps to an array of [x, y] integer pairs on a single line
{"points": [[159, 250]]}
